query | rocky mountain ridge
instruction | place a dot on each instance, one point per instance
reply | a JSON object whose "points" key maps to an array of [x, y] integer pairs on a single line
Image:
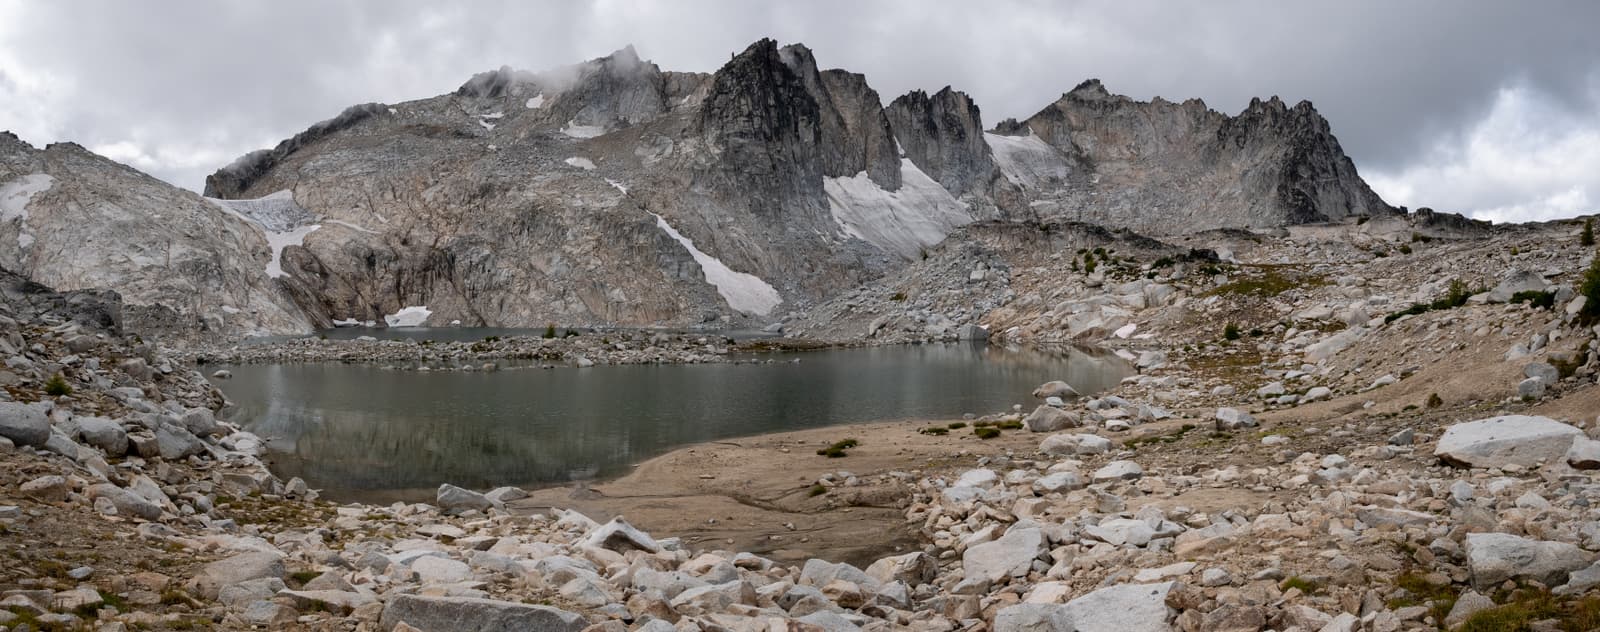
{"points": [[613, 192]]}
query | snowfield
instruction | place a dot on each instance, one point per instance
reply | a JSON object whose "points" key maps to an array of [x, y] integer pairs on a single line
{"points": [[744, 292], [15, 195], [575, 130], [1026, 160], [281, 221], [920, 214], [410, 316], [14, 198]]}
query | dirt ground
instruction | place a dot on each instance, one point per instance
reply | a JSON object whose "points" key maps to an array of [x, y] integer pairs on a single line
{"points": [[744, 494]]}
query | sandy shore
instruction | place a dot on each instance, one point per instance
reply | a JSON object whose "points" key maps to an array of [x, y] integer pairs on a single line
{"points": [[746, 493]]}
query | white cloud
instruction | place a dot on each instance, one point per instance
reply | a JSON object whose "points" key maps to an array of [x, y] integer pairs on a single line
{"points": [[1524, 161]]}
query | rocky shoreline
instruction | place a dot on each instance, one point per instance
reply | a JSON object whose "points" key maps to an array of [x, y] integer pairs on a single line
{"points": [[581, 350]]}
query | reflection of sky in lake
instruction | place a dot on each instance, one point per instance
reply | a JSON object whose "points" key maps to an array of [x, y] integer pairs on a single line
{"points": [[358, 431]]}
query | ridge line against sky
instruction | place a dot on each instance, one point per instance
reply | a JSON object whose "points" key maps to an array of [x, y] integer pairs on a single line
{"points": [[1486, 109]]}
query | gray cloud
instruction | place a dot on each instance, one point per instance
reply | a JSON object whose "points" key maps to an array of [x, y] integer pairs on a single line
{"points": [[1416, 91]]}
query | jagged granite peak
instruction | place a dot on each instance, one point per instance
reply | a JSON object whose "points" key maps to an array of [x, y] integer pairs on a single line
{"points": [[943, 136], [761, 115], [856, 136], [1161, 167]]}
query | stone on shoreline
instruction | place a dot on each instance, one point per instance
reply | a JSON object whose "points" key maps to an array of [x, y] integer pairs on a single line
{"points": [[1050, 419], [452, 499]]}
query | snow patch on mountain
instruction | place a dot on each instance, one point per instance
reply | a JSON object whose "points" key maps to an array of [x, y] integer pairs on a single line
{"points": [[917, 215], [409, 316], [536, 102], [14, 198], [581, 163], [744, 292], [15, 195], [278, 241], [281, 221], [1026, 160], [353, 226], [575, 130]]}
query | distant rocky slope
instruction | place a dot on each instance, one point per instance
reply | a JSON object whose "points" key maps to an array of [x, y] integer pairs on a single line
{"points": [[613, 192], [75, 220]]}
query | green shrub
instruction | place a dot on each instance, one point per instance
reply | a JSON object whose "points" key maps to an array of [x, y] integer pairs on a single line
{"points": [[1590, 289], [1587, 238], [837, 450], [897, 297], [958, 425], [57, 387], [817, 490], [1164, 262], [1270, 283], [1454, 297], [550, 330], [1405, 249], [986, 432], [1009, 425], [1305, 585], [1230, 332], [1535, 298], [1088, 263], [1434, 401], [935, 430]]}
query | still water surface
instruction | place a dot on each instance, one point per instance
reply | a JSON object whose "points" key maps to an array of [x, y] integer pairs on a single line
{"points": [[365, 433]]}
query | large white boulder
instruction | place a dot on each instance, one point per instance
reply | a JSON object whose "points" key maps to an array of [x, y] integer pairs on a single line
{"points": [[1519, 281], [1010, 556], [621, 537], [1055, 388], [1506, 440], [1234, 419], [1495, 557], [454, 499], [1050, 419], [1070, 444], [452, 614], [1118, 471], [1332, 345], [1121, 608]]}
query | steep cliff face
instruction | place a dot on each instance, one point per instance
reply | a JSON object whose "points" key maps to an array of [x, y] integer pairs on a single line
{"points": [[943, 136], [612, 192]]}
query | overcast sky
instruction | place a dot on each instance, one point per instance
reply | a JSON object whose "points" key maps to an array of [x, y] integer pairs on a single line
{"points": [[1490, 109]]}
